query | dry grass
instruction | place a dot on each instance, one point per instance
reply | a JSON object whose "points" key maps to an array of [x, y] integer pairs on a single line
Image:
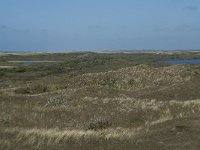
{"points": [[133, 107]]}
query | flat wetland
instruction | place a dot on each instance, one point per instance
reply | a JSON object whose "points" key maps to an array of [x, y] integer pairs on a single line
{"points": [[100, 100]]}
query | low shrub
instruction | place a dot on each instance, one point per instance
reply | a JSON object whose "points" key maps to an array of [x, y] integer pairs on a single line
{"points": [[97, 124], [20, 69], [32, 89], [5, 119], [131, 82], [56, 101], [181, 127], [109, 82], [2, 73]]}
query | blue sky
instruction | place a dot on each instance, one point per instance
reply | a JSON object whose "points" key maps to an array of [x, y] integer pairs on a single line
{"points": [[56, 25]]}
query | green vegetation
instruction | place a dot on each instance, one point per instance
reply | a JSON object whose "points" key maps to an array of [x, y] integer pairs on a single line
{"points": [[92, 101], [34, 89], [97, 124]]}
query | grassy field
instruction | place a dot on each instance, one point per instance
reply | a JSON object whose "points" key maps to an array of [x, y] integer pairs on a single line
{"points": [[97, 101]]}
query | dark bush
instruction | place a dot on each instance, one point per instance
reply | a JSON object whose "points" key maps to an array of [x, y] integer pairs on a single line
{"points": [[131, 82], [107, 82], [97, 124], [2, 73], [32, 89], [20, 69]]}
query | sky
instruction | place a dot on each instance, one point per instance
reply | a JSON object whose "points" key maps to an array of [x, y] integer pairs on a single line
{"points": [[58, 25]]}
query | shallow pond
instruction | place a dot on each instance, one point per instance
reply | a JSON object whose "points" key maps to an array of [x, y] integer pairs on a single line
{"points": [[182, 61], [32, 62]]}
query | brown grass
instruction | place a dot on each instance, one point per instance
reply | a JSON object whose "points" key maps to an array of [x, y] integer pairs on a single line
{"points": [[141, 107]]}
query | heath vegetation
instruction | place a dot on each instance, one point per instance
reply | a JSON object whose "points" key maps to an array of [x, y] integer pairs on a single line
{"points": [[91, 101]]}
